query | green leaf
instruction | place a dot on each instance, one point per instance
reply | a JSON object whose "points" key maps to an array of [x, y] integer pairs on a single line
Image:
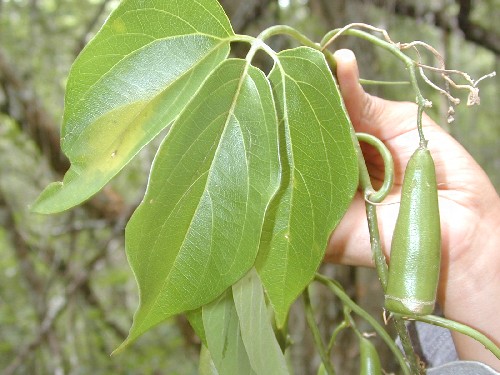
{"points": [[206, 366], [319, 175], [128, 84], [224, 339], [198, 228], [261, 345], [195, 319]]}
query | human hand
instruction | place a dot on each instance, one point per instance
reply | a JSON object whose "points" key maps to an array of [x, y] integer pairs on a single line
{"points": [[469, 209]]}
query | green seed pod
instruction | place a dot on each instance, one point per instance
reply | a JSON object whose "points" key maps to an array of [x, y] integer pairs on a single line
{"points": [[416, 243], [370, 361]]}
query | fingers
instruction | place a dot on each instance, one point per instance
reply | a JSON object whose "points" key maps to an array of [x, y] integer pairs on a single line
{"points": [[358, 103], [348, 77], [368, 113], [350, 243]]}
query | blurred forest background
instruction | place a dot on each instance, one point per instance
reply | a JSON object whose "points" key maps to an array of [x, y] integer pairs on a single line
{"points": [[67, 295]]}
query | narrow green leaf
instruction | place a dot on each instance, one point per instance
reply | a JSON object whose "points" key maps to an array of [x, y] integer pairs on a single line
{"points": [[206, 366], [198, 228], [128, 84], [261, 345], [319, 175], [224, 339]]}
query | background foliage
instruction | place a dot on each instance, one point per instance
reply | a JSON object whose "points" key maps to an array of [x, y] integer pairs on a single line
{"points": [[67, 295]]}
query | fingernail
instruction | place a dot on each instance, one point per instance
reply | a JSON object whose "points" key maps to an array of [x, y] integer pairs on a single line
{"points": [[344, 55]]}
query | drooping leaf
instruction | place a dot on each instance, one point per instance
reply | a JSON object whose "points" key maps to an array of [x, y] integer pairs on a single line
{"points": [[128, 84], [257, 333], [198, 228], [224, 339], [319, 175]]}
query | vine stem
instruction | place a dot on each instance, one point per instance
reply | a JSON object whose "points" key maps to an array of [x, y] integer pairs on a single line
{"points": [[462, 328], [378, 255], [381, 194], [393, 48], [285, 30], [369, 82], [371, 213], [347, 301], [311, 321], [335, 333]]}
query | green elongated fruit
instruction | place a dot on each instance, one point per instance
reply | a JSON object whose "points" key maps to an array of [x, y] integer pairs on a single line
{"points": [[416, 243], [370, 361]]}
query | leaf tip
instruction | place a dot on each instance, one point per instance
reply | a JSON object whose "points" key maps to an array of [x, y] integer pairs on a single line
{"points": [[281, 319], [121, 347], [45, 204]]}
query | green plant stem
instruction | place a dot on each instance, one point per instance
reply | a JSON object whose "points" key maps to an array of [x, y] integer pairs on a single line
{"points": [[376, 246], [311, 321], [379, 258], [381, 266], [371, 213], [243, 38], [256, 45], [335, 333], [301, 38], [462, 328], [287, 30], [404, 337], [393, 48], [423, 141], [342, 295], [379, 195], [368, 82]]}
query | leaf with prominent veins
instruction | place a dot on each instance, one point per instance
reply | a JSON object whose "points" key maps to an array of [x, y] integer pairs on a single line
{"points": [[319, 175], [198, 228], [130, 82]]}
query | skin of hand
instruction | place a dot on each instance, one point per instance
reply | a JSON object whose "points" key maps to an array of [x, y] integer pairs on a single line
{"points": [[469, 287]]}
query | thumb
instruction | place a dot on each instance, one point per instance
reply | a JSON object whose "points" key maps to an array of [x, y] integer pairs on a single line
{"points": [[369, 113]]}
